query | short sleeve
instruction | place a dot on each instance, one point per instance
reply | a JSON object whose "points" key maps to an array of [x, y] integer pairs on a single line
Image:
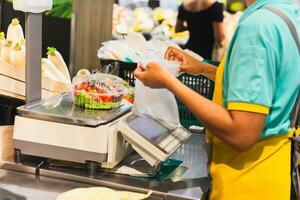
{"points": [[251, 74], [181, 13], [218, 14]]}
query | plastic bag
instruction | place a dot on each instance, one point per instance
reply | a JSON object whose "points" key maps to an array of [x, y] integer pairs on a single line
{"points": [[117, 50], [157, 103]]}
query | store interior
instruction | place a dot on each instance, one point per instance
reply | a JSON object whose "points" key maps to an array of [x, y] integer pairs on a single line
{"points": [[69, 98]]}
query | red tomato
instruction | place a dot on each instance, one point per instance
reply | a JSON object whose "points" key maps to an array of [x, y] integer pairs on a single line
{"points": [[89, 89], [83, 85], [129, 99], [106, 98]]}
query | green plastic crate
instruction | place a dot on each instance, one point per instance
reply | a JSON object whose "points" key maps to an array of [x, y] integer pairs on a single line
{"points": [[200, 84]]}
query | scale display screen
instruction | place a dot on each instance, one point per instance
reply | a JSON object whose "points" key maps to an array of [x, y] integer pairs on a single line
{"points": [[148, 128]]}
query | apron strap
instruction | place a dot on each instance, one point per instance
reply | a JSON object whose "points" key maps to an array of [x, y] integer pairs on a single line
{"points": [[289, 23], [295, 115]]}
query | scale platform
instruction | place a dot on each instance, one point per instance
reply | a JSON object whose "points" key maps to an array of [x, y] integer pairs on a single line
{"points": [[57, 129], [62, 110]]}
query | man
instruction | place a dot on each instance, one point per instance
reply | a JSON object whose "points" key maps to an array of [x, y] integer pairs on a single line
{"points": [[256, 88]]}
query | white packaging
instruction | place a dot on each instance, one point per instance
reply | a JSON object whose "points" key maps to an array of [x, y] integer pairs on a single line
{"points": [[157, 103], [33, 6]]}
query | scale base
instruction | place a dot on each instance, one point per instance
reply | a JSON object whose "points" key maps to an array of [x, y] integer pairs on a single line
{"points": [[90, 167]]}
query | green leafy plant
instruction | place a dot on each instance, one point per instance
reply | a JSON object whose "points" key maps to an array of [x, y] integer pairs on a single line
{"points": [[61, 9]]}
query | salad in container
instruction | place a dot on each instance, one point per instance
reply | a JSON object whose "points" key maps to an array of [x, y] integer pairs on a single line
{"points": [[98, 90]]}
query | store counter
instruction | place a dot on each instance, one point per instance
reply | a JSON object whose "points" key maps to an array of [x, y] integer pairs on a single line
{"points": [[21, 179]]}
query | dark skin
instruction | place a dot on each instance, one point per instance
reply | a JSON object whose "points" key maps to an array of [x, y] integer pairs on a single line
{"points": [[240, 130]]}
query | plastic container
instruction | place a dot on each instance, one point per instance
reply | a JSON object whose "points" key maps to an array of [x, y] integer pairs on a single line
{"points": [[125, 70], [201, 85], [98, 91]]}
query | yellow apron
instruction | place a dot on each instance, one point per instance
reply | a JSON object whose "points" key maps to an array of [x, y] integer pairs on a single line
{"points": [[261, 173]]}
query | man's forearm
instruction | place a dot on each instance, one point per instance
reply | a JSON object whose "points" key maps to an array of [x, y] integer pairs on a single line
{"points": [[208, 70], [216, 118], [211, 114]]}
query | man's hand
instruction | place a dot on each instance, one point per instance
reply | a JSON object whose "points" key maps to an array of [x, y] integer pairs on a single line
{"points": [[154, 76], [189, 64]]}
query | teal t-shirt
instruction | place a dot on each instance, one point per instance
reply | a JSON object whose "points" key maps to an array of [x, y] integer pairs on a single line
{"points": [[262, 71]]}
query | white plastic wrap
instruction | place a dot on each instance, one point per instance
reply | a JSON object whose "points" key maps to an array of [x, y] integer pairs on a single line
{"points": [[156, 103]]}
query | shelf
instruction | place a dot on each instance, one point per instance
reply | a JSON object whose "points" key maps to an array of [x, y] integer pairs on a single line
{"points": [[12, 83]]}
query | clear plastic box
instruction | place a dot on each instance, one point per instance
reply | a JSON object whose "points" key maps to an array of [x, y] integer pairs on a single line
{"points": [[98, 91]]}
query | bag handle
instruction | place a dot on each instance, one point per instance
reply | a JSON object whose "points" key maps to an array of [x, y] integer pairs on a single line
{"points": [[295, 115]]}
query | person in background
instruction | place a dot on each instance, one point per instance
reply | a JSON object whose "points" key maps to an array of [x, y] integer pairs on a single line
{"points": [[204, 20], [256, 87]]}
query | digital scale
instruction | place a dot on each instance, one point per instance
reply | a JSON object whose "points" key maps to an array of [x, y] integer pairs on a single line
{"points": [[55, 128]]}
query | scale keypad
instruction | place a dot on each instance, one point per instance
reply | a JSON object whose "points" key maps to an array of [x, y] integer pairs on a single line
{"points": [[172, 141]]}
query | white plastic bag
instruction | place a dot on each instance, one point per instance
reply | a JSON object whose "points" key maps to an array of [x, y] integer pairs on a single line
{"points": [[157, 103]]}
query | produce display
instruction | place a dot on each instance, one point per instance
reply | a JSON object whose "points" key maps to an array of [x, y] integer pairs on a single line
{"points": [[159, 23], [119, 19], [12, 48], [97, 91], [12, 52]]}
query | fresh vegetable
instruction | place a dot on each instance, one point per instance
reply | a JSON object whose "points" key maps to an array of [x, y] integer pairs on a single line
{"points": [[129, 95], [58, 61], [5, 51], [15, 31], [2, 40], [47, 65], [22, 43], [17, 56], [129, 98], [97, 91], [83, 100], [48, 74]]}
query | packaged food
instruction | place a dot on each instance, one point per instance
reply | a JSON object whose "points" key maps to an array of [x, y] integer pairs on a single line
{"points": [[129, 95], [98, 91]]}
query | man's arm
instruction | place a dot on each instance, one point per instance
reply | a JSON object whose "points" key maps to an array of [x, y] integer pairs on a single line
{"points": [[239, 129]]}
